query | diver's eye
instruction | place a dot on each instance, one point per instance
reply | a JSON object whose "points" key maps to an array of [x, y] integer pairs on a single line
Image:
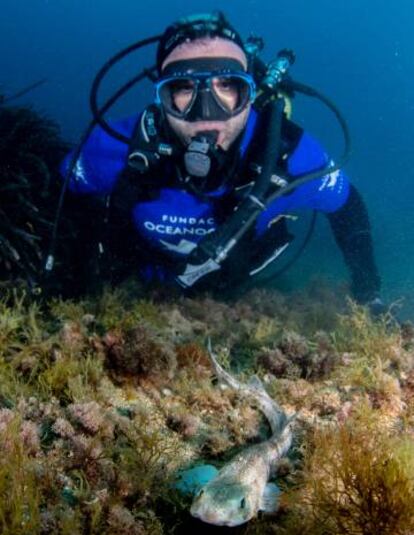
{"points": [[243, 503]]}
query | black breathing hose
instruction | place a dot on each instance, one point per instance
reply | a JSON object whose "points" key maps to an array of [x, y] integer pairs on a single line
{"points": [[93, 98], [291, 85], [97, 119]]}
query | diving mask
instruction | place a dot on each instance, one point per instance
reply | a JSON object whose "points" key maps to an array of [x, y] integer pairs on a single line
{"points": [[205, 89]]}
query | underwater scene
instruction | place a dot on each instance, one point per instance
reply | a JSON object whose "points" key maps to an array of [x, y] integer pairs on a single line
{"points": [[206, 266]]}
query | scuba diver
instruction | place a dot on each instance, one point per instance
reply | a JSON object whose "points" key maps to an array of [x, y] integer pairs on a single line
{"points": [[198, 188]]}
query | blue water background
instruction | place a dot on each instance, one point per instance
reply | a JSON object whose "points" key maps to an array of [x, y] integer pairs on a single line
{"points": [[358, 52]]}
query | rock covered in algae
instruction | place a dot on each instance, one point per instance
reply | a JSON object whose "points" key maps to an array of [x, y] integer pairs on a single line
{"points": [[106, 411], [137, 352]]}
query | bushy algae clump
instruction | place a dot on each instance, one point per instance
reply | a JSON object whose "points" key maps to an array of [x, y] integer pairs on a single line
{"points": [[103, 400], [358, 478]]}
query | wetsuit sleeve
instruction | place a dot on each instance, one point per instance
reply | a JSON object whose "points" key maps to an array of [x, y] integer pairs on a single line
{"points": [[325, 194], [340, 201], [101, 160], [351, 228]]}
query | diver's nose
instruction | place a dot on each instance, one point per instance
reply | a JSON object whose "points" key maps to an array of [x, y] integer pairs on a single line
{"points": [[205, 104]]}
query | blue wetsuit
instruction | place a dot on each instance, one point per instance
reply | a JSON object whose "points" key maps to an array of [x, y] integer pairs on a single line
{"points": [[172, 221]]}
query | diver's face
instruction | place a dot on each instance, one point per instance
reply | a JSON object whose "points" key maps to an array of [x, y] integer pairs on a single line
{"points": [[227, 128]]}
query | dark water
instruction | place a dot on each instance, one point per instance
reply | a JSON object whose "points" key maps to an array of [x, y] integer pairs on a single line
{"points": [[358, 53]]}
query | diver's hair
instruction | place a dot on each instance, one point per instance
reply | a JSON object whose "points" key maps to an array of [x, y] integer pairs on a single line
{"points": [[194, 27]]}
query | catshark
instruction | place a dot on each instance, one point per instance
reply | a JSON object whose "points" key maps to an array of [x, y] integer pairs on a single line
{"points": [[241, 488]]}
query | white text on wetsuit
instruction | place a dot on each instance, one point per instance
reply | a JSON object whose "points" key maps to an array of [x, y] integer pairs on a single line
{"points": [[181, 225]]}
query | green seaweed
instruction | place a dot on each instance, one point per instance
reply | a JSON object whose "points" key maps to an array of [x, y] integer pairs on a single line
{"points": [[20, 497], [358, 479], [70, 378]]}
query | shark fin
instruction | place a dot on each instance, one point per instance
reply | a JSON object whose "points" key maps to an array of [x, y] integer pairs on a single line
{"points": [[270, 498]]}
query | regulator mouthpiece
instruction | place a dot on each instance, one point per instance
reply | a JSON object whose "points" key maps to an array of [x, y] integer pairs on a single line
{"points": [[197, 159]]}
